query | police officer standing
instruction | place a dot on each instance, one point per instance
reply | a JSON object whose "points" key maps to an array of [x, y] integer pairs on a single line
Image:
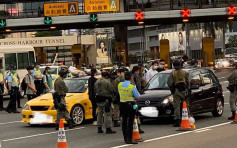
{"points": [[59, 99], [128, 94], [177, 83], [113, 75], [38, 76], [13, 86], [104, 93], [1, 88], [233, 92]]}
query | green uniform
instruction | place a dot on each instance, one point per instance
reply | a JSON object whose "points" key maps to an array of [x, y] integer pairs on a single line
{"points": [[59, 95], [104, 93], [117, 98], [233, 81], [178, 77]]}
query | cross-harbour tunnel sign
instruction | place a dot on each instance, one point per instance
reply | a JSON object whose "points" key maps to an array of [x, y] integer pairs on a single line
{"points": [[101, 6], [41, 41]]}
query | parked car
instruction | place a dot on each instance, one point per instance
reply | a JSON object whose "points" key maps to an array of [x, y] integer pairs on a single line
{"points": [[205, 95]]}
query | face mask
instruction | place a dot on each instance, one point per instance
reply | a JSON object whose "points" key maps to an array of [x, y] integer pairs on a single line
{"points": [[161, 66], [49, 72], [31, 71], [14, 71], [155, 67]]}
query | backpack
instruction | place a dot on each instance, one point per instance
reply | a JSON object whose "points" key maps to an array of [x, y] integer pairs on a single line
{"points": [[24, 85]]}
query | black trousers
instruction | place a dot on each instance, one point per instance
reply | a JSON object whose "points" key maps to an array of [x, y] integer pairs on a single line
{"points": [[30, 97], [94, 107], [13, 97], [128, 114], [1, 95], [38, 87]]}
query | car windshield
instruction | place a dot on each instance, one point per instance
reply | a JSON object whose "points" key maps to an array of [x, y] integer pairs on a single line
{"points": [[159, 81], [53, 70], [76, 85]]}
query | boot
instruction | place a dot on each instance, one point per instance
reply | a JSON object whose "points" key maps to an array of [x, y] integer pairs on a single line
{"points": [[116, 124], [131, 142], [56, 126], [100, 130], [71, 125], [232, 117], [110, 131], [177, 123]]}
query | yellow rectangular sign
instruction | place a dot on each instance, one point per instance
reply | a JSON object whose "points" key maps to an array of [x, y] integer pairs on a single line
{"points": [[101, 5], [59, 9]]}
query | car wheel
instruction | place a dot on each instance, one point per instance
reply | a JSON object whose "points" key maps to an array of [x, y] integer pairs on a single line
{"points": [[77, 114], [219, 108]]}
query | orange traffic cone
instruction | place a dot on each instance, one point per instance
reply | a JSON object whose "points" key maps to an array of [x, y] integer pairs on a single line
{"points": [[185, 124], [62, 142], [135, 134]]}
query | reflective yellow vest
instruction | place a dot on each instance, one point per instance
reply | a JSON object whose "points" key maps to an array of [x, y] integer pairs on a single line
{"points": [[37, 72], [125, 93], [1, 77], [15, 79]]}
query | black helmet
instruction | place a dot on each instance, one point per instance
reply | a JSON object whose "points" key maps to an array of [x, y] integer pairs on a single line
{"points": [[128, 75], [12, 67], [122, 69], [63, 72], [113, 73], [177, 64], [91, 66], [105, 74]]}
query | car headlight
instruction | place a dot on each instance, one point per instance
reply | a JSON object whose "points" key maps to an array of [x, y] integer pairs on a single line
{"points": [[26, 107], [168, 99]]}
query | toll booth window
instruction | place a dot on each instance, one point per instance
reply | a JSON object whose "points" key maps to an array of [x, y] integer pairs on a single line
{"points": [[10, 59], [22, 60], [31, 57]]}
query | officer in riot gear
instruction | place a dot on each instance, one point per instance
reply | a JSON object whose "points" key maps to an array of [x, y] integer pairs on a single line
{"points": [[177, 83], [104, 94], [59, 99]]}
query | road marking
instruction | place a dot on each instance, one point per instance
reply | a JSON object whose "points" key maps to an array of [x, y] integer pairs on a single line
{"points": [[224, 81], [43, 134], [226, 103], [226, 92], [178, 134], [200, 131], [10, 122], [221, 78]]}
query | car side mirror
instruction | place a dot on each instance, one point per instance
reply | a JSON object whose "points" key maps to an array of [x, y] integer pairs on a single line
{"points": [[194, 87]]}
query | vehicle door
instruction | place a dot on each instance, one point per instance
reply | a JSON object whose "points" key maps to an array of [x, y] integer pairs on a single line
{"points": [[210, 89], [196, 95]]}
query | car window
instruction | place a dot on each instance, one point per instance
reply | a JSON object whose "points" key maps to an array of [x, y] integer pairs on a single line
{"points": [[210, 75], [52, 70], [195, 80], [159, 81], [206, 78], [76, 85]]}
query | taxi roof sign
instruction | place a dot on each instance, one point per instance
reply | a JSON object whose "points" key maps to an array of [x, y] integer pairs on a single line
{"points": [[60, 9]]}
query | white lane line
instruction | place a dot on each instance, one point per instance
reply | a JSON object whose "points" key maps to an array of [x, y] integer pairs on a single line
{"points": [[43, 134], [173, 135], [200, 131], [10, 122], [226, 92], [221, 78], [226, 103], [224, 81]]}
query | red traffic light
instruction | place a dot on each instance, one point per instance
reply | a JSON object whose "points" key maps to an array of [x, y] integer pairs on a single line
{"points": [[231, 10], [185, 13], [139, 15]]}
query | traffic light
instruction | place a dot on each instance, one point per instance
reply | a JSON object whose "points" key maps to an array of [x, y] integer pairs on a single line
{"points": [[3, 23], [139, 17], [93, 17], [231, 12], [48, 20], [185, 14]]}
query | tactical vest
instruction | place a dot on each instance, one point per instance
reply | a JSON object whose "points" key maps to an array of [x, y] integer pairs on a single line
{"points": [[125, 93], [179, 76], [38, 72]]}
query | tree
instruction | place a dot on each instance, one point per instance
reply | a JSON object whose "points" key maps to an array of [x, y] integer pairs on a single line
{"points": [[48, 33], [232, 41]]}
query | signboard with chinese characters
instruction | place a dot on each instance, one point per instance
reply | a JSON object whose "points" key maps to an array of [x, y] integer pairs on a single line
{"points": [[59, 9], [101, 5]]}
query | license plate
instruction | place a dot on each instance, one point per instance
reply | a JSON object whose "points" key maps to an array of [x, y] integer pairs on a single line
{"points": [[149, 111], [40, 118]]}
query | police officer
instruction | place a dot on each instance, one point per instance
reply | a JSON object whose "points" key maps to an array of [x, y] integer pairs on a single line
{"points": [[177, 83], [128, 94], [38, 76], [104, 93], [13, 86], [59, 99], [233, 92], [1, 88], [113, 75]]}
